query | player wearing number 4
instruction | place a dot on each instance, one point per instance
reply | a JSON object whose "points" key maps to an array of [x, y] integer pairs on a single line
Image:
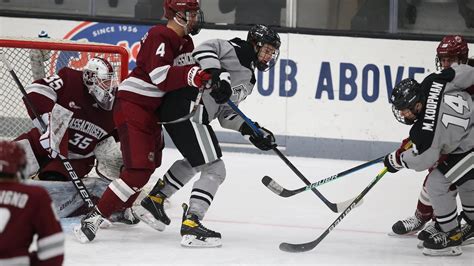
{"points": [[26, 211], [232, 64], [441, 112]]}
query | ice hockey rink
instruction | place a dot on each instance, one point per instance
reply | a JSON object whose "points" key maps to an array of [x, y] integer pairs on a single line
{"points": [[254, 221]]}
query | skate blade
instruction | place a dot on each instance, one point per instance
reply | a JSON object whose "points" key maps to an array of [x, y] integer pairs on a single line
{"points": [[407, 235], [450, 251], [191, 241], [468, 242], [143, 215], [420, 244], [80, 236]]}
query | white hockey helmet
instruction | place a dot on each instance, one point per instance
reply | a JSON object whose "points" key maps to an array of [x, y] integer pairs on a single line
{"points": [[99, 78]]}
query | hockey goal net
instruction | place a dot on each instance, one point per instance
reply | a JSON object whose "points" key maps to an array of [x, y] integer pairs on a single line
{"points": [[35, 58]]}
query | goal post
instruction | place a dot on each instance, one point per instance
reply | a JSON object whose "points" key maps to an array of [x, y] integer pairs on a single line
{"points": [[34, 58]]}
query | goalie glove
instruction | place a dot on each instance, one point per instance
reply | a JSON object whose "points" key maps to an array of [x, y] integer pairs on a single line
{"points": [[264, 142]]}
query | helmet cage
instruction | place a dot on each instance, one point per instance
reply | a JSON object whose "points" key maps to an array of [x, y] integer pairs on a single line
{"points": [[260, 35], [405, 95], [193, 21], [100, 80]]}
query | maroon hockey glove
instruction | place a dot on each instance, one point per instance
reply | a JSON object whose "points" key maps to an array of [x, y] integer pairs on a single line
{"points": [[198, 77]]}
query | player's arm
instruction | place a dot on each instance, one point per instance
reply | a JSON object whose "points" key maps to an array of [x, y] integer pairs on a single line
{"points": [[160, 68], [50, 241], [463, 76]]}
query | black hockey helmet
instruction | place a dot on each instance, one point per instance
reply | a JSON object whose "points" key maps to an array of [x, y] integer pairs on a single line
{"points": [[259, 35], [405, 95]]}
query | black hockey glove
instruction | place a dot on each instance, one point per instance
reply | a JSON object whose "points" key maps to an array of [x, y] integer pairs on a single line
{"points": [[220, 85], [264, 142], [393, 161]]}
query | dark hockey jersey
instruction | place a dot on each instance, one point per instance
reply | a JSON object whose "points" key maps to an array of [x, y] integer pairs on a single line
{"points": [[26, 211], [446, 124], [89, 123]]}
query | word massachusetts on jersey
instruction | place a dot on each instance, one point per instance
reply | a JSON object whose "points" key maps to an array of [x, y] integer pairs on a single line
{"points": [[87, 127]]}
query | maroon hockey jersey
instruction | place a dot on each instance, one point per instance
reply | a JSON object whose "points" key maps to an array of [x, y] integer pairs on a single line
{"points": [[26, 211], [89, 123], [163, 62]]}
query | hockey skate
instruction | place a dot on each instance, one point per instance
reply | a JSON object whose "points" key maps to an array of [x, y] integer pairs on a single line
{"points": [[126, 216], [90, 223], [151, 209], [444, 243], [467, 231], [195, 234], [407, 227], [431, 229]]}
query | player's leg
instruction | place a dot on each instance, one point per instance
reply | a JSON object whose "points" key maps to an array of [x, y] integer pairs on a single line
{"points": [[139, 136]]}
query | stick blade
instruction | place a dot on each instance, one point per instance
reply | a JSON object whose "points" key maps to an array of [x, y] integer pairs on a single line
{"points": [[272, 185], [342, 206], [297, 248]]}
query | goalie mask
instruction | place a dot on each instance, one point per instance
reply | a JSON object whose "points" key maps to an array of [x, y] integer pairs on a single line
{"points": [[12, 159], [451, 49], [267, 46], [186, 13], [99, 78], [405, 98]]}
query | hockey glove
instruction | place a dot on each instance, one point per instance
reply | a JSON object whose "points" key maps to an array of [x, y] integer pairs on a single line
{"points": [[45, 138], [264, 142], [197, 77], [393, 161], [220, 85]]}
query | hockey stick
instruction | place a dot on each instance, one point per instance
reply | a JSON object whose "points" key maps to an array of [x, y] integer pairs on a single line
{"points": [[283, 192], [335, 207], [310, 245], [78, 184], [191, 114]]}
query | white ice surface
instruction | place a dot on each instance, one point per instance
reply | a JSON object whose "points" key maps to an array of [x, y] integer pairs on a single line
{"points": [[254, 221]]}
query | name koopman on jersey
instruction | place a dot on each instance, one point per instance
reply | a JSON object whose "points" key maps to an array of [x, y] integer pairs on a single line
{"points": [[432, 105]]}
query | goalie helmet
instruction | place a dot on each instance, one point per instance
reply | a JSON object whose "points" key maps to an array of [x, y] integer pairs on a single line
{"points": [[267, 45], [12, 159], [187, 11], [452, 46], [405, 95], [99, 78]]}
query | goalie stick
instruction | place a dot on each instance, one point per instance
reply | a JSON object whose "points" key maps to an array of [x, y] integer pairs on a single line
{"points": [[283, 192], [335, 207], [191, 114], [78, 184], [310, 245]]}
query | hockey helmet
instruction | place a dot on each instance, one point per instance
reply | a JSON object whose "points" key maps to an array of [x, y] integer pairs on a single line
{"points": [[454, 46], [99, 78], [267, 44], [187, 11], [12, 159], [405, 95]]}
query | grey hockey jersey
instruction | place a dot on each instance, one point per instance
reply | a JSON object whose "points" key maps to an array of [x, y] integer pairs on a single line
{"points": [[446, 124], [237, 57]]}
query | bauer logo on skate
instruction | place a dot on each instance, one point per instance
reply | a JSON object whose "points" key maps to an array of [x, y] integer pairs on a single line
{"points": [[127, 36]]}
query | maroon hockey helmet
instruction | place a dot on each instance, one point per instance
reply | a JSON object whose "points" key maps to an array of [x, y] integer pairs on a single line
{"points": [[12, 158], [173, 7], [452, 46]]}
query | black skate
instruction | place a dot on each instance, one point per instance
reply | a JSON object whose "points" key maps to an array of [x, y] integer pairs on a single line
{"points": [[444, 243], [89, 225], [431, 229], [467, 230], [151, 209], [126, 216], [195, 234], [408, 227]]}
